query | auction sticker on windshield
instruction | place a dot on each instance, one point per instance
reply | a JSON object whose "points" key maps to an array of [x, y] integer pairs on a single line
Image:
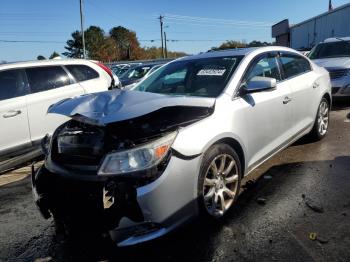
{"points": [[211, 72]]}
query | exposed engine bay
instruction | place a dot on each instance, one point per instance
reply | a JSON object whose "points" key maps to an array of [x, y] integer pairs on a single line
{"points": [[70, 187]]}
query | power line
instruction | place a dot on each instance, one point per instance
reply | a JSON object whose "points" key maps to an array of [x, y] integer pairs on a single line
{"points": [[207, 20], [31, 41]]}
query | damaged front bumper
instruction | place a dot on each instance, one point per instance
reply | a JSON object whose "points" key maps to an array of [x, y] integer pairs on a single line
{"points": [[129, 212]]}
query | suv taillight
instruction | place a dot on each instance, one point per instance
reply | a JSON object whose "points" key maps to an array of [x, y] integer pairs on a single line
{"points": [[105, 68]]}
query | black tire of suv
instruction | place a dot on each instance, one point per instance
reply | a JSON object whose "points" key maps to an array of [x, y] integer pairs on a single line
{"points": [[208, 157]]}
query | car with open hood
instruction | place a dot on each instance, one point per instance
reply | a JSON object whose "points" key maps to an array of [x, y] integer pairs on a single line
{"points": [[138, 164]]}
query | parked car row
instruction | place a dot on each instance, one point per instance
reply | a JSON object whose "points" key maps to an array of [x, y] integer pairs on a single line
{"points": [[28, 89], [131, 74]]}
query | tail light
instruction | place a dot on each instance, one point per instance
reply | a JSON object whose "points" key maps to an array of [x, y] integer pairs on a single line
{"points": [[105, 68], [108, 71]]}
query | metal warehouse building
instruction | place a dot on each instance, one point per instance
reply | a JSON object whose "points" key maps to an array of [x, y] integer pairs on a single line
{"points": [[335, 23]]}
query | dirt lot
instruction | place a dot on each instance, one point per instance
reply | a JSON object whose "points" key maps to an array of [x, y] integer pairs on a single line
{"points": [[303, 215]]}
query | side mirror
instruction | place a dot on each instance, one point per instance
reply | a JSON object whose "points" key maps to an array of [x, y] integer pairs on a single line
{"points": [[259, 83]]}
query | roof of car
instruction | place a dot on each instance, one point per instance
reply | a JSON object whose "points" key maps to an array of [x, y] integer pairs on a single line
{"points": [[336, 39], [236, 52], [43, 62]]}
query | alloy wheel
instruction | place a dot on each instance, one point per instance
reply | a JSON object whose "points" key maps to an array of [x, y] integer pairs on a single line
{"points": [[220, 185], [323, 117]]}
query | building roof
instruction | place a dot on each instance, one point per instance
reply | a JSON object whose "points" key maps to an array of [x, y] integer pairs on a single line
{"points": [[323, 14]]}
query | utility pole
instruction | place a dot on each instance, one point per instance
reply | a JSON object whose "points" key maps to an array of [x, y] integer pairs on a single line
{"points": [[165, 47], [82, 27], [161, 33]]}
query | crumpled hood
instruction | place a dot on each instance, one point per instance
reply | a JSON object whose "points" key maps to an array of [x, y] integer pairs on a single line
{"points": [[337, 62], [118, 105]]}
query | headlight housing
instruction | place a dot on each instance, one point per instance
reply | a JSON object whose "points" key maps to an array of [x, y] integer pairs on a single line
{"points": [[138, 158], [46, 144]]}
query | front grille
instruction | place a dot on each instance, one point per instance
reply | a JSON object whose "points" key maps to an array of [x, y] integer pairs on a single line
{"points": [[337, 73]]}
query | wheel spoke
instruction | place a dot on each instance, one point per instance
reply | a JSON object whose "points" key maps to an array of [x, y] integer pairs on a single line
{"points": [[229, 192], [214, 202], [229, 168], [222, 202], [231, 179], [209, 182], [214, 168], [222, 164], [325, 112], [209, 195]]}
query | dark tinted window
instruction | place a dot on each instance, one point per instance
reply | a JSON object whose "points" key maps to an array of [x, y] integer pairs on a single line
{"points": [[266, 67], [294, 65], [46, 78], [205, 77], [82, 72], [12, 84], [332, 49]]}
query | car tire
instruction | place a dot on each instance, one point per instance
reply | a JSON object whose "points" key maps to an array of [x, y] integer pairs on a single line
{"points": [[219, 181], [321, 124]]}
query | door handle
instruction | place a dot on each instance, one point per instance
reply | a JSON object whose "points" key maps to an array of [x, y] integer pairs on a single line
{"points": [[315, 85], [286, 100], [11, 113]]}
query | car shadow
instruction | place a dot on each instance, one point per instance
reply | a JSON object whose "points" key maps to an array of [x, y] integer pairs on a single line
{"points": [[340, 103], [201, 239]]}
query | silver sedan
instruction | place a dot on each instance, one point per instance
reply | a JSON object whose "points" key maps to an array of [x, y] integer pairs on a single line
{"points": [[138, 164]]}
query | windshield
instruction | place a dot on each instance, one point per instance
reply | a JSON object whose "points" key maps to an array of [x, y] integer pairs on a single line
{"points": [[136, 73], [205, 77], [329, 50]]}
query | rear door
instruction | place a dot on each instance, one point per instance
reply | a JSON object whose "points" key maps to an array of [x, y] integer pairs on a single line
{"points": [[48, 85], [267, 114], [14, 130], [89, 78], [298, 73]]}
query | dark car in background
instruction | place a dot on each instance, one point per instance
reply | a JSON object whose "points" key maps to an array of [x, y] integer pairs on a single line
{"points": [[135, 74]]}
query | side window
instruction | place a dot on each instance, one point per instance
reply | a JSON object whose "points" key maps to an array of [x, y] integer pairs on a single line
{"points": [[46, 78], [82, 72], [294, 65], [12, 84], [267, 66]]}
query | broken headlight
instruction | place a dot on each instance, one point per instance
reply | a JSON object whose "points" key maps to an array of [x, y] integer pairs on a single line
{"points": [[139, 158], [45, 144]]}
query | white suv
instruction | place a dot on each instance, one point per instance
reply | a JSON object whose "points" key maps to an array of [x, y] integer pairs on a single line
{"points": [[28, 89]]}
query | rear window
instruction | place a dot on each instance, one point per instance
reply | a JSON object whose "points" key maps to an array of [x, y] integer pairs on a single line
{"points": [[294, 65], [12, 84], [205, 77], [46, 78], [82, 72]]}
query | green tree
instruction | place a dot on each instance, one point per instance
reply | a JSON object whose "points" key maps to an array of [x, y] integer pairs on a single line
{"points": [[41, 57], [74, 46], [232, 44], [127, 44], [94, 40], [54, 54], [258, 43]]}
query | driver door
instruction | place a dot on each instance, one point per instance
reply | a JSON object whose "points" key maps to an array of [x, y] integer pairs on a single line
{"points": [[267, 114]]}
